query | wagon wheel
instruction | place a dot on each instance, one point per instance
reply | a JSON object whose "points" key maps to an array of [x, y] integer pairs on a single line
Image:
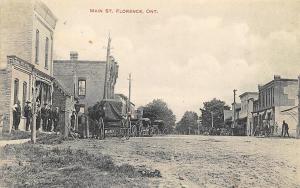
{"points": [[134, 131], [127, 128]]}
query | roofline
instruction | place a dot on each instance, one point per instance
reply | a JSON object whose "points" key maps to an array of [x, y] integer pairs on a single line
{"points": [[248, 92], [281, 79], [49, 11], [77, 61]]}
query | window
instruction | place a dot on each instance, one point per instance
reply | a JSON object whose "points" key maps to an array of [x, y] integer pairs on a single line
{"points": [[81, 87], [16, 90], [37, 43], [82, 109], [46, 52], [24, 94]]}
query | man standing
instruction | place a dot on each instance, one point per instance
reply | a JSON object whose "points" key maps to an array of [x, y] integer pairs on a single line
{"points": [[16, 115], [286, 130], [38, 115], [27, 114], [44, 116], [55, 118], [282, 128], [49, 118]]}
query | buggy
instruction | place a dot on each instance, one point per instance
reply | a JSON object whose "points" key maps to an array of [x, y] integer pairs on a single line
{"points": [[110, 118]]}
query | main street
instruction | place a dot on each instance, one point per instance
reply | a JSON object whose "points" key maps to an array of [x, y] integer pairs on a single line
{"points": [[206, 161]]}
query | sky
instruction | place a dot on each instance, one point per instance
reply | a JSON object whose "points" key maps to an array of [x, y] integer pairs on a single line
{"points": [[188, 51]]}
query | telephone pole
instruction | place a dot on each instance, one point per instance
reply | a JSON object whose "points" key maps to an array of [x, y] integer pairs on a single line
{"points": [[107, 67], [234, 105], [129, 94], [212, 119]]}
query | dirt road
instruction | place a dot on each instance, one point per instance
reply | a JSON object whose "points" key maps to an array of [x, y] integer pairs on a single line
{"points": [[207, 161]]}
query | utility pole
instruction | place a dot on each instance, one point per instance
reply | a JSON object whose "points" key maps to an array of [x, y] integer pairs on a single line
{"points": [[234, 105], [212, 119], [129, 94], [106, 67]]}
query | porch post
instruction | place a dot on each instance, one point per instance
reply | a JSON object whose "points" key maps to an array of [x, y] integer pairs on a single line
{"points": [[33, 127]]}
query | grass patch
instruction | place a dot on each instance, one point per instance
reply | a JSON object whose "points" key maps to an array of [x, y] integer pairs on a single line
{"points": [[40, 166], [15, 135]]}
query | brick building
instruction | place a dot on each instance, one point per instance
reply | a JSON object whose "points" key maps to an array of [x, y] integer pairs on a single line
{"points": [[274, 99], [26, 47], [90, 81]]}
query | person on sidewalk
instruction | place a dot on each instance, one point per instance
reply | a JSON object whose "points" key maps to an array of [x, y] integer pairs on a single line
{"points": [[38, 116], [27, 114], [44, 117], [49, 119], [16, 115], [55, 118]]}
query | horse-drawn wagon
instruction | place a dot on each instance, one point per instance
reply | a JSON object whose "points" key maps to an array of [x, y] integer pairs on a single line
{"points": [[111, 118]]}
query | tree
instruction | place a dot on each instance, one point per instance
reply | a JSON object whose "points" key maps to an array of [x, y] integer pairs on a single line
{"points": [[188, 123], [216, 109], [159, 110]]}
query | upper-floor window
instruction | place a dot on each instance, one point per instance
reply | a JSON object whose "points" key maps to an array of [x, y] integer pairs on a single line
{"points": [[46, 52], [37, 44], [81, 87]]}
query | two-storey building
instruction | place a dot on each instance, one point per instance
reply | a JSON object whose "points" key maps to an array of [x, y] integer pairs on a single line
{"points": [[245, 116], [89, 81], [26, 51], [274, 99]]}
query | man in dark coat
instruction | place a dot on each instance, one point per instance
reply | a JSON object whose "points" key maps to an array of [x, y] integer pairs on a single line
{"points": [[38, 116], [55, 118], [49, 113], [27, 114], [286, 129], [44, 117], [16, 115]]}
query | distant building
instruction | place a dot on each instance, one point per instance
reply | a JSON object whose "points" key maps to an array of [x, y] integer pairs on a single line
{"points": [[228, 118], [245, 116], [274, 99], [26, 50], [86, 79], [237, 126]]}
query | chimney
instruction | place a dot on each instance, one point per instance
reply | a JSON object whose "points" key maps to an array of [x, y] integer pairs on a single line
{"points": [[277, 77], [73, 56]]}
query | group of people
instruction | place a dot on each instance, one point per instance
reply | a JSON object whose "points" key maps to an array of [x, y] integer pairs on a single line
{"points": [[49, 117], [46, 115]]}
